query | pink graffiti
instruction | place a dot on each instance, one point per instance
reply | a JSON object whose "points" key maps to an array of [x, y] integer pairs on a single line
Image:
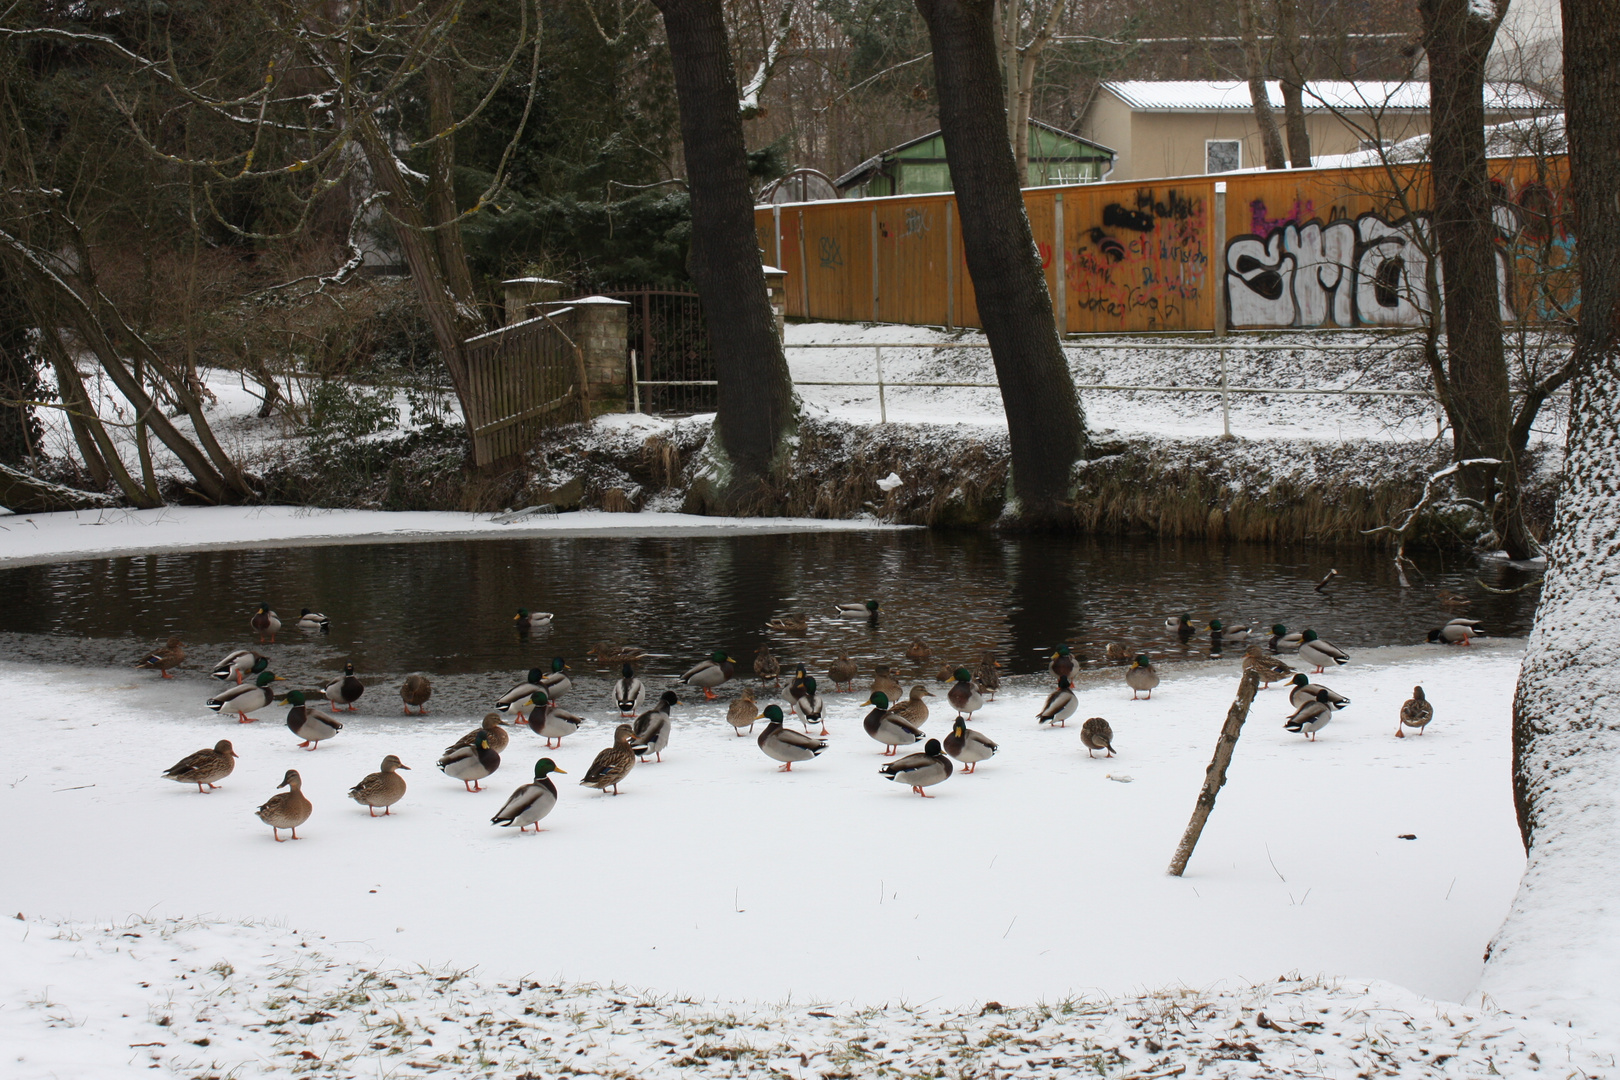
{"points": [[1263, 226]]}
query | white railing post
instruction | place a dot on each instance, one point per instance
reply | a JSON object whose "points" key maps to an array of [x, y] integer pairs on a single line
{"points": [[1226, 400], [635, 384], [883, 408]]}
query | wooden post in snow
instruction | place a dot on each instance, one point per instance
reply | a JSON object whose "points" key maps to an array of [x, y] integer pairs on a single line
{"points": [[1215, 777]]}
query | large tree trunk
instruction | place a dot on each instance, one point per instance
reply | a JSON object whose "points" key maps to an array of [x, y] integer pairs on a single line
{"points": [[1560, 945], [757, 410], [1044, 422], [1293, 84], [1457, 37], [1254, 69]]}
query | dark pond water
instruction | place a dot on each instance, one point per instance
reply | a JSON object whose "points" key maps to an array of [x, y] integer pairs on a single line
{"points": [[446, 608]]}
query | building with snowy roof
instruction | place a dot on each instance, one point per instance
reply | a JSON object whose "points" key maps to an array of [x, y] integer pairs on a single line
{"points": [[918, 167]]}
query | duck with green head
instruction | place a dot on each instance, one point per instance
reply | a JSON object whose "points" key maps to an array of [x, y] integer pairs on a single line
{"points": [[517, 701], [345, 690], [710, 673], [526, 620], [862, 610], [550, 722], [1062, 666], [264, 622], [628, 691], [1302, 690], [650, 732], [1282, 641], [311, 725], [809, 706], [923, 770], [1060, 705], [1141, 677], [238, 664], [784, 745], [963, 695], [246, 698], [556, 682], [885, 727], [532, 801], [1313, 650], [470, 764], [968, 746]]}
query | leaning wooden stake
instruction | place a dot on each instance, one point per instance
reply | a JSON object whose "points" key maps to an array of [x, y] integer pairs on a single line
{"points": [[1215, 777]]}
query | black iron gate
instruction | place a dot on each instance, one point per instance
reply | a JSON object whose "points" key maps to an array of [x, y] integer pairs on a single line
{"points": [[669, 341]]}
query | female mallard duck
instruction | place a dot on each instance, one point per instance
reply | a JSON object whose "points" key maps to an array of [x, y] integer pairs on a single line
{"points": [[767, 666], [710, 673], [919, 653], [1062, 666], [1140, 677], [415, 693], [1221, 635], [239, 663], [781, 744], [968, 746], [963, 695], [264, 622], [289, 809], [1313, 650], [1311, 717], [1116, 653], [470, 764], [1302, 691], [246, 698], [808, 704], [650, 732], [1455, 632], [1097, 734], [1282, 641], [867, 610], [517, 700], [172, 655], [842, 671], [1416, 713], [743, 712], [526, 620], [1060, 705], [1267, 667], [311, 725], [493, 727], [1182, 625], [315, 622], [531, 802], [885, 727], [204, 767], [920, 770], [790, 624], [604, 653], [383, 788], [557, 683], [914, 710], [989, 674], [551, 723], [613, 764], [884, 682], [628, 691], [345, 690]]}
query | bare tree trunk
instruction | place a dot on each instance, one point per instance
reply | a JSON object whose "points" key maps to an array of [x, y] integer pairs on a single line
{"points": [[1254, 69], [1029, 59], [71, 387], [1008, 41], [1215, 775], [1293, 84], [1562, 936], [757, 408], [1044, 423]]}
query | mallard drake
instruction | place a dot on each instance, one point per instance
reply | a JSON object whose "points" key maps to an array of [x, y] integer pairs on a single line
{"points": [[289, 809], [1182, 625], [1267, 667], [204, 767], [345, 690], [1115, 653], [383, 788], [963, 695], [1455, 632], [743, 712], [470, 764], [650, 732], [866, 610], [264, 622], [710, 673], [767, 666], [526, 620], [884, 682], [239, 663], [1060, 705], [989, 674], [808, 704], [246, 698], [315, 622], [1416, 713], [796, 684], [172, 655], [781, 744], [1097, 734], [557, 683], [914, 710], [1302, 691], [551, 723], [613, 764], [1140, 677], [1221, 635], [1282, 641], [532, 801], [1062, 666], [919, 653], [628, 691], [922, 770], [415, 693], [493, 727], [311, 725], [1311, 717], [885, 727], [790, 624], [842, 672], [968, 746], [1313, 650], [518, 700]]}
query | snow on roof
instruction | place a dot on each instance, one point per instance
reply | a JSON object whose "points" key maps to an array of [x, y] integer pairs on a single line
{"points": [[1187, 96], [1530, 137]]}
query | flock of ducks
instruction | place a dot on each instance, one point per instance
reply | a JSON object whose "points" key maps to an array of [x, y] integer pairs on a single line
{"points": [[895, 719]]}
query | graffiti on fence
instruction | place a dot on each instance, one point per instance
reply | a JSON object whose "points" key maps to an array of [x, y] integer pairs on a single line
{"points": [[915, 221], [831, 255], [1144, 264], [1536, 244]]}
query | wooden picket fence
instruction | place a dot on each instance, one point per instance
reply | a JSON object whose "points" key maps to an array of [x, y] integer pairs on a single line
{"points": [[522, 379]]}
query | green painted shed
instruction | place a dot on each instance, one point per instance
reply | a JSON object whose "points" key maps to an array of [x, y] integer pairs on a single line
{"points": [[918, 167]]}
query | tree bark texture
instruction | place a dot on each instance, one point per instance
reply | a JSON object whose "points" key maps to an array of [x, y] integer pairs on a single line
{"points": [[1254, 69], [1293, 84], [756, 409], [1215, 775], [1560, 945], [1045, 426], [1458, 39]]}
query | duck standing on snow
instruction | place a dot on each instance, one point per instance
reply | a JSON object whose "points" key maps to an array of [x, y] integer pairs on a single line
{"points": [[1416, 713], [1313, 650], [264, 622], [613, 764], [914, 710], [287, 810], [887, 728], [383, 788], [1097, 734], [415, 693], [968, 746], [1062, 666], [808, 704], [1311, 717], [1303, 691], [549, 722], [628, 692], [525, 620], [314, 622], [172, 655], [989, 674], [239, 663], [518, 700], [842, 671], [767, 666], [922, 770], [345, 690], [492, 728], [867, 610], [1141, 677], [533, 801], [1282, 641], [470, 764], [1060, 705], [557, 683], [963, 695], [743, 712], [1268, 667], [204, 767], [1456, 632], [246, 698], [784, 745], [708, 674], [311, 725], [650, 733]]}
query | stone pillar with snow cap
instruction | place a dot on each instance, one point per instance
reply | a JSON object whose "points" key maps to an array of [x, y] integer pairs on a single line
{"points": [[524, 294], [601, 329]]}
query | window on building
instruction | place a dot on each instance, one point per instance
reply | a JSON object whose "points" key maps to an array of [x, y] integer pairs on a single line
{"points": [[1222, 155]]}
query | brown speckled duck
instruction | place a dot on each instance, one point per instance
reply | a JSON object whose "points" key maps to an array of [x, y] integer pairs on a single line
{"points": [[383, 788], [415, 693], [205, 767], [172, 655], [613, 764], [287, 810]]}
